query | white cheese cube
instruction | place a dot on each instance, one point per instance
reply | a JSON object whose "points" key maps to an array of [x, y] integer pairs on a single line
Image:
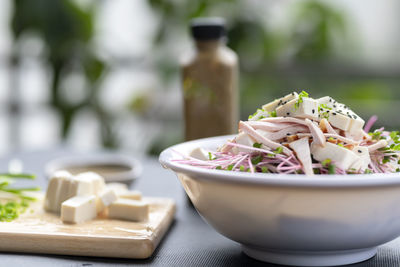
{"points": [[135, 195], [79, 209], [81, 187], [339, 121], [308, 108], [199, 153], [342, 117], [64, 192], [342, 157], [94, 178], [278, 102], [128, 209], [53, 190], [119, 188], [244, 139], [356, 125], [105, 198]]}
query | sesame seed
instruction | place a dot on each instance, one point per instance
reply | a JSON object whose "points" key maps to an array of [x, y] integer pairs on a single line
{"points": [[359, 151], [288, 113], [288, 134], [313, 111], [334, 113]]}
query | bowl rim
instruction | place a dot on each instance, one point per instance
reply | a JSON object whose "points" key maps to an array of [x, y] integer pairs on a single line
{"points": [[270, 179], [82, 160]]}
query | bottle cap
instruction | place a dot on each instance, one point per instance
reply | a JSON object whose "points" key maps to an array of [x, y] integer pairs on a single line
{"points": [[204, 29]]}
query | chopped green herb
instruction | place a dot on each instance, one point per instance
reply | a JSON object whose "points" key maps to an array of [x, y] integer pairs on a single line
{"points": [[270, 155], [331, 169], [272, 113], [12, 209], [241, 168], [367, 171], [323, 110], [326, 162], [255, 113], [218, 168], [300, 99], [257, 159], [386, 159], [398, 170], [279, 150], [340, 144], [230, 167], [376, 135], [257, 145], [264, 169], [211, 156]]}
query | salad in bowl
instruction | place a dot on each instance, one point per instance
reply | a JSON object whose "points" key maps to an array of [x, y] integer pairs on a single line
{"points": [[281, 187], [297, 134]]}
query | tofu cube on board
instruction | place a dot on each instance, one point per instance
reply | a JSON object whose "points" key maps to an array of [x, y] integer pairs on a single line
{"points": [[54, 188], [79, 209], [128, 209], [105, 198], [135, 195], [119, 188]]}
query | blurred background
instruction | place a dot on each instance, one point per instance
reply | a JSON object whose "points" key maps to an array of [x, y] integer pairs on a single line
{"points": [[105, 74]]}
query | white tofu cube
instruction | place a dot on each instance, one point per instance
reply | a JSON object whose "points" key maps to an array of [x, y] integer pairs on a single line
{"points": [[105, 198], [278, 102], [342, 157], [308, 108], [128, 209], [356, 125], [339, 120], [244, 139], [119, 188], [81, 187], [79, 209], [135, 195], [53, 191], [199, 153], [94, 178]]}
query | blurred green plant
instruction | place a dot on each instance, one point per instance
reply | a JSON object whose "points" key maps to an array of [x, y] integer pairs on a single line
{"points": [[67, 30]]}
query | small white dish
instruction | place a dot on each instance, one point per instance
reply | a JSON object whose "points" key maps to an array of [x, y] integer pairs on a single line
{"points": [[114, 168], [299, 220]]}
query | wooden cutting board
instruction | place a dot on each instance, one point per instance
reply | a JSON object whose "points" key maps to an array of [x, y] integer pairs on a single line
{"points": [[37, 231]]}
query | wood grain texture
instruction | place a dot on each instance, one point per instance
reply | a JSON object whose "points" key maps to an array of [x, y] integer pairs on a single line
{"points": [[37, 231]]}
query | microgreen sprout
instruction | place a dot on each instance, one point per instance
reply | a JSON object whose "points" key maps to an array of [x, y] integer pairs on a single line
{"points": [[257, 145], [300, 99]]}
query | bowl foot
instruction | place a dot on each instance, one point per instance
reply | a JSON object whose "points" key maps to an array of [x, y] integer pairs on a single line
{"points": [[306, 258]]}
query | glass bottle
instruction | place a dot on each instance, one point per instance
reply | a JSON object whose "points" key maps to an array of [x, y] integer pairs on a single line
{"points": [[210, 82]]}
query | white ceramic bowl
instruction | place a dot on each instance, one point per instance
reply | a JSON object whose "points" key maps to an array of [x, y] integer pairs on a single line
{"points": [[322, 220]]}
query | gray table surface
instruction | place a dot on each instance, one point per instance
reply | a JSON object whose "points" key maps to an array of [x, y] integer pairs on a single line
{"points": [[189, 241]]}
